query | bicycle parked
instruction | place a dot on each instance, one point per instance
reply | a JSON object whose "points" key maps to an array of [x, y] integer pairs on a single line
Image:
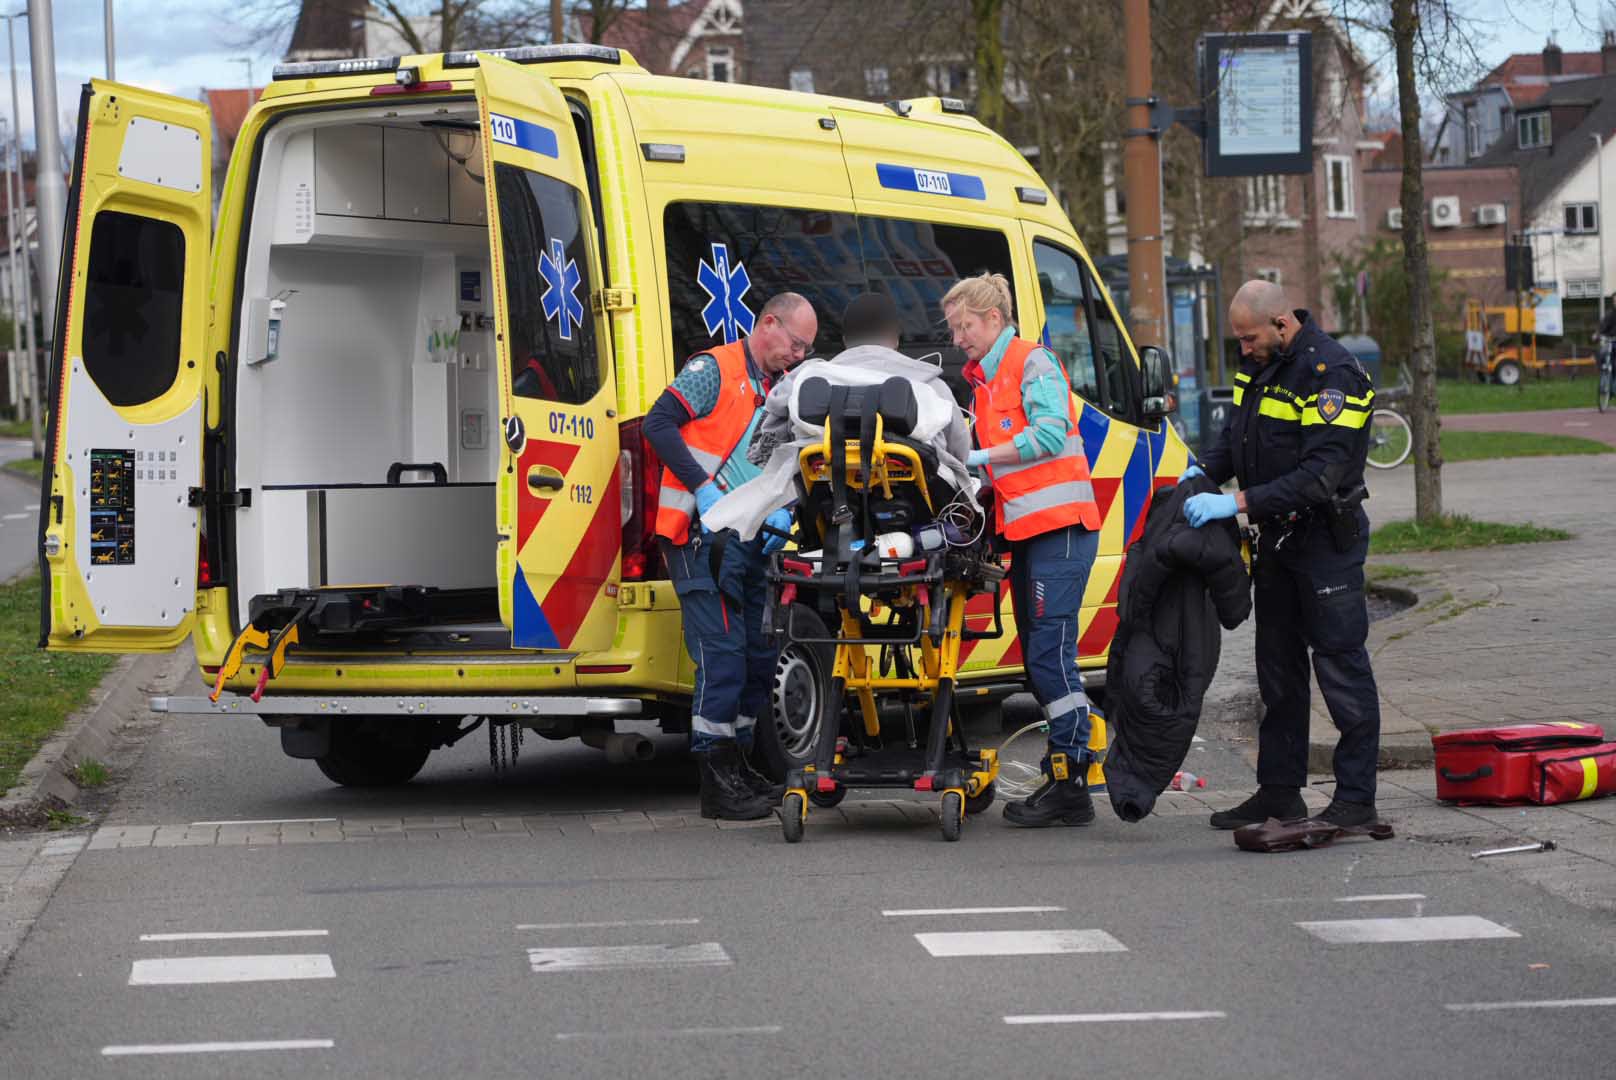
{"points": [[1390, 436]]}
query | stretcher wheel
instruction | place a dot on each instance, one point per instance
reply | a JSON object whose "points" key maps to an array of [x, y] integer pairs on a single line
{"points": [[952, 814], [975, 804], [827, 799], [792, 813]]}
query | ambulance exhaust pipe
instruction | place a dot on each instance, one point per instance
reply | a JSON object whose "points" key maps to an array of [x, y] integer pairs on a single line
{"points": [[620, 747]]}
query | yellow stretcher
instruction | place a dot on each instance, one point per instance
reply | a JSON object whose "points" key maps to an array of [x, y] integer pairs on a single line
{"points": [[898, 624]]}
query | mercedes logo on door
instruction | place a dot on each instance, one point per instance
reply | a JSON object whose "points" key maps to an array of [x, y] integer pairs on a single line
{"points": [[515, 434]]}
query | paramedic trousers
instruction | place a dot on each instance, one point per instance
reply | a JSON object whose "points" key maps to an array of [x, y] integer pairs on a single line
{"points": [[1048, 574], [723, 630], [1310, 597]]}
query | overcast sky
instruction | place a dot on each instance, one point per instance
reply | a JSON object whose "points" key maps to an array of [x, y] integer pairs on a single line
{"points": [[181, 46]]}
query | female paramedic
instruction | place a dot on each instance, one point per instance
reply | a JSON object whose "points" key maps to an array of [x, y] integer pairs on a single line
{"points": [[1027, 434]]}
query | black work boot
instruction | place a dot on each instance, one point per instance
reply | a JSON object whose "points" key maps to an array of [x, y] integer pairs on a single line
{"points": [[1348, 814], [724, 795], [756, 780], [1271, 801], [1063, 799]]}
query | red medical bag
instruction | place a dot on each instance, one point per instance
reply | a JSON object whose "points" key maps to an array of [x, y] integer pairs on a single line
{"points": [[1552, 762]]}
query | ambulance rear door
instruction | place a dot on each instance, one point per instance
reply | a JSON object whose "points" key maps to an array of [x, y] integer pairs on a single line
{"points": [[119, 516], [560, 502]]}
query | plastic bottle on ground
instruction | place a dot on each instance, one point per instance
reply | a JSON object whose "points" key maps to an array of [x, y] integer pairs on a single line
{"points": [[1184, 781]]}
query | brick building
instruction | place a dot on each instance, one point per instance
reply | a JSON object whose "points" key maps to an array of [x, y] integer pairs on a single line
{"points": [[1480, 208]]}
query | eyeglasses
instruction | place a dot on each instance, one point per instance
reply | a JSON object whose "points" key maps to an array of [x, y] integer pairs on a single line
{"points": [[798, 345]]}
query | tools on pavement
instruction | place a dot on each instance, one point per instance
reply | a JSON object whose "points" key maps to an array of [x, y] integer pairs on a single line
{"points": [[1541, 845]]}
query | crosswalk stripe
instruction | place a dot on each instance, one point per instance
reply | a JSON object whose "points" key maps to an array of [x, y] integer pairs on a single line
{"points": [[1030, 909], [191, 970], [1112, 1018], [621, 924], [665, 1033], [234, 935], [1559, 1003], [1426, 928], [607, 957], [216, 1047], [1018, 942], [1376, 898]]}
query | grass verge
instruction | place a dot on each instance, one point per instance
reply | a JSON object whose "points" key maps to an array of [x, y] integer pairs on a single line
{"points": [[38, 690], [1459, 396], [1480, 445], [32, 468], [1383, 572], [1456, 531], [16, 429]]}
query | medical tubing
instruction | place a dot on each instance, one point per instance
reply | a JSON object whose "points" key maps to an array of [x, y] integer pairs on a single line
{"points": [[1031, 777]]}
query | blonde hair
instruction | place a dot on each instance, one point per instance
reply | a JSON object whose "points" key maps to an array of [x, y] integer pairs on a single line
{"points": [[981, 294]]}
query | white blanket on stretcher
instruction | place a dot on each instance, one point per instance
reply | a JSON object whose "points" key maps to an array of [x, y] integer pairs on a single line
{"points": [[940, 425]]}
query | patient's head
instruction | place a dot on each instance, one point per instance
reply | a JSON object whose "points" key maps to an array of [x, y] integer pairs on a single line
{"points": [[871, 318]]}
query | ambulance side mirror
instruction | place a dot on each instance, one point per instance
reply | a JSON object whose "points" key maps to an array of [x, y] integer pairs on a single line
{"points": [[1157, 384]]}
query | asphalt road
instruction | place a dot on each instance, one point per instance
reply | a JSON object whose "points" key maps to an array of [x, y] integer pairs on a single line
{"points": [[19, 513], [544, 924]]}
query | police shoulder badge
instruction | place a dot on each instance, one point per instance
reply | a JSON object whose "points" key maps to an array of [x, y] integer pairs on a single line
{"points": [[1331, 402]]}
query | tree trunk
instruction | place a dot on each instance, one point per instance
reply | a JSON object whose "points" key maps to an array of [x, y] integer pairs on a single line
{"points": [[1422, 403], [989, 62]]}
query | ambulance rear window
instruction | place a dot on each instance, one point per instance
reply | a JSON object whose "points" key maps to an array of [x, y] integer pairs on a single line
{"points": [[134, 287]]}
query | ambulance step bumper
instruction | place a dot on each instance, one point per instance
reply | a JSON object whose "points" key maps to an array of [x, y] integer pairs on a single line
{"points": [[392, 705]]}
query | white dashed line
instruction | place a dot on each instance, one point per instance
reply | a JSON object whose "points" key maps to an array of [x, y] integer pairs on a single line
{"points": [[1028, 910], [1377, 898], [216, 1047], [1433, 928], [1112, 1018], [15, 517], [619, 925], [1018, 942], [234, 935], [191, 970], [1561, 1003], [668, 1033], [610, 957]]}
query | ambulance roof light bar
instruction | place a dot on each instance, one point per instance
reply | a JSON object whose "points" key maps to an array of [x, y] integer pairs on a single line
{"points": [[536, 54], [353, 65]]}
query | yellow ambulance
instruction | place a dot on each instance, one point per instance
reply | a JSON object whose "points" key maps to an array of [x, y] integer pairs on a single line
{"points": [[373, 440]]}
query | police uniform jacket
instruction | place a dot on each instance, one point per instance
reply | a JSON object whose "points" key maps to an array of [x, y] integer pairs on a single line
{"points": [[1299, 432]]}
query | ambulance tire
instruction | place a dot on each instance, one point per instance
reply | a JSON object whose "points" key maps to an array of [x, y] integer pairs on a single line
{"points": [[360, 758], [788, 738]]}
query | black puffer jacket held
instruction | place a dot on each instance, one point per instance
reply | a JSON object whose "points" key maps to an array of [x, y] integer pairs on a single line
{"points": [[1178, 584]]}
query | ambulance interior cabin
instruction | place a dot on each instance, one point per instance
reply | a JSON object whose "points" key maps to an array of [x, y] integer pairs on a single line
{"points": [[366, 391]]}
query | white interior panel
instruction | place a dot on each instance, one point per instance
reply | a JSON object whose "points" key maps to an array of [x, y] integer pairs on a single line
{"points": [[169, 155], [468, 204], [348, 170], [415, 183], [413, 534]]}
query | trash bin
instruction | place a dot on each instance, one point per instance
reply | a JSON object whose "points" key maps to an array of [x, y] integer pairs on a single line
{"points": [[1367, 350], [1217, 402]]}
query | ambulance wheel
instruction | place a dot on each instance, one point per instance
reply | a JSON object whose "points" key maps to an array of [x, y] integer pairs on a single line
{"points": [[975, 804], [791, 817], [1508, 373], [825, 800], [952, 815], [788, 738], [360, 758]]}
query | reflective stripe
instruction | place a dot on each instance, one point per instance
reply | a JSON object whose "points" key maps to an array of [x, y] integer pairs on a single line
{"points": [[704, 726], [745, 723], [706, 459], [1239, 392], [1070, 703], [1590, 777], [1362, 402], [1279, 410], [1072, 445], [678, 499], [1241, 377], [1349, 418], [1072, 491]]}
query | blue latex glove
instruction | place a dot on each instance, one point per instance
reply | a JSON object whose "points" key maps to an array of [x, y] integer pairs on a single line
{"points": [[780, 519], [706, 495], [1200, 509], [1193, 470], [976, 457]]}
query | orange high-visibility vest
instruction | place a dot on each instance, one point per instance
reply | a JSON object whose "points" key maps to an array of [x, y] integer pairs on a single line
{"points": [[711, 439], [1046, 493]]}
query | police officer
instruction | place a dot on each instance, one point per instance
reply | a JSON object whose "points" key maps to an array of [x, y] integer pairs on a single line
{"points": [[1027, 436], [700, 427], [1296, 443]]}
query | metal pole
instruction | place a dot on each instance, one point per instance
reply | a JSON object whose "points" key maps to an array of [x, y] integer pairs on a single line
{"points": [[1599, 142], [50, 187], [25, 278], [107, 20], [17, 386], [557, 23], [1141, 171]]}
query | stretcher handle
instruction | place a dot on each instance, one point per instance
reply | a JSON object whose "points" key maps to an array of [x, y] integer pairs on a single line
{"points": [[1462, 778], [397, 469]]}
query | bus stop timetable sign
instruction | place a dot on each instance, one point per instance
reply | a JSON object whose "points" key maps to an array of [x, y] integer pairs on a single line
{"points": [[1258, 95]]}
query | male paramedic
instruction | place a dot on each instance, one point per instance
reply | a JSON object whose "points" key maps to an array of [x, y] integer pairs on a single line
{"points": [[700, 427], [1027, 436], [1296, 443]]}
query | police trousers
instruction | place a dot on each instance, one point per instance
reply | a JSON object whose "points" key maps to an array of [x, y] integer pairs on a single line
{"points": [[1310, 599], [723, 630], [1048, 574]]}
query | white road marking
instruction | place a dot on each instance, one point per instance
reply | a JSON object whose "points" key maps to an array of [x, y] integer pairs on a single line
{"points": [[1018, 942], [666, 1033], [1560, 1003], [1112, 1018], [234, 935], [607, 957], [216, 1047], [190, 970], [1027, 910], [267, 821], [32, 506], [1382, 896], [1432, 928], [1196, 739], [617, 925], [16, 517]]}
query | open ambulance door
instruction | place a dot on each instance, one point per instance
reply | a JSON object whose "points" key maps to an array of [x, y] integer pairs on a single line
{"points": [[560, 500], [118, 531]]}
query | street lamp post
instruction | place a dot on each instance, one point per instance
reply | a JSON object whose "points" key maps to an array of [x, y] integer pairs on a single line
{"points": [[1599, 201], [24, 277], [107, 20], [50, 188], [17, 387]]}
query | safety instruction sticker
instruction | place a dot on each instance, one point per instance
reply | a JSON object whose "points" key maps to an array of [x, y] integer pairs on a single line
{"points": [[112, 507], [931, 181], [524, 135]]}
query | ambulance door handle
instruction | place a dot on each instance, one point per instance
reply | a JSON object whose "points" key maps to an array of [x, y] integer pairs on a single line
{"points": [[544, 481], [396, 471]]}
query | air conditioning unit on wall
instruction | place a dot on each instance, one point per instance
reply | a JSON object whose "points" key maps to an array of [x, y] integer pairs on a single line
{"points": [[1490, 214], [1444, 211], [1394, 218]]}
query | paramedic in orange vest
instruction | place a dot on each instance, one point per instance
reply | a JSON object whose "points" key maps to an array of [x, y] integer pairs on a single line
{"points": [[701, 427], [1026, 431]]}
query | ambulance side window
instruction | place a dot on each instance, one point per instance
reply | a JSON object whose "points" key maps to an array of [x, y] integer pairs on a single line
{"points": [[133, 293], [1068, 329], [1112, 353], [547, 286]]}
